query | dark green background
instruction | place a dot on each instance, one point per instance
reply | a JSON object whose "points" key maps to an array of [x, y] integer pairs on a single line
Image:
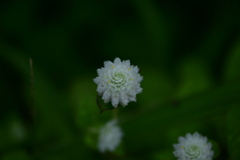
{"points": [[188, 53]]}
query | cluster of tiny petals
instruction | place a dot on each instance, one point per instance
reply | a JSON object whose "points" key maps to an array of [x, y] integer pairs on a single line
{"points": [[110, 136], [193, 147], [118, 82]]}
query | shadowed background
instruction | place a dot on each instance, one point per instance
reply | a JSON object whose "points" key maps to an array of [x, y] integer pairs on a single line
{"points": [[188, 54]]}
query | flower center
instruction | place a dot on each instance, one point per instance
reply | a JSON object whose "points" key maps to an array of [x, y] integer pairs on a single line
{"points": [[194, 151], [119, 78], [194, 148]]}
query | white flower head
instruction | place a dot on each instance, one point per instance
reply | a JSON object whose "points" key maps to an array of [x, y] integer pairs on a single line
{"points": [[118, 82], [110, 136], [193, 147]]}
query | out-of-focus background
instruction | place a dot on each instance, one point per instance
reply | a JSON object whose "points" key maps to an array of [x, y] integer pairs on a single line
{"points": [[188, 53]]}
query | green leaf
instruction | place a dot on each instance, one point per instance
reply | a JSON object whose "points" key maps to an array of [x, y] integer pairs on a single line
{"points": [[164, 154], [233, 65], [195, 77], [215, 148], [157, 86], [82, 95], [103, 106], [91, 138], [17, 154], [156, 121], [233, 133], [156, 28]]}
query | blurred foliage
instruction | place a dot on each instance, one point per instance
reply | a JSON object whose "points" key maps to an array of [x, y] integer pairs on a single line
{"points": [[188, 53], [233, 132]]}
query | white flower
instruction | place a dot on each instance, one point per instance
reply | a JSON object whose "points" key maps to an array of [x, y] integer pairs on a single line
{"points": [[118, 82], [193, 147], [110, 136]]}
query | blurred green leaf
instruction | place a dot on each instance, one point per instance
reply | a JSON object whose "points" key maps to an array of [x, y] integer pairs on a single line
{"points": [[91, 138], [74, 150], [233, 132], [17, 17], [16, 155], [157, 86], [155, 121], [103, 106], [82, 99], [166, 154], [156, 30], [233, 65], [215, 148], [195, 77]]}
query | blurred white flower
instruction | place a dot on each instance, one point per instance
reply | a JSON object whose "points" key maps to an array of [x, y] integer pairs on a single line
{"points": [[118, 82], [110, 136], [193, 147]]}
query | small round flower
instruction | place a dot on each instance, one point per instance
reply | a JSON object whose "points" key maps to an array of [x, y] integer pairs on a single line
{"points": [[193, 147], [118, 82], [110, 136]]}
